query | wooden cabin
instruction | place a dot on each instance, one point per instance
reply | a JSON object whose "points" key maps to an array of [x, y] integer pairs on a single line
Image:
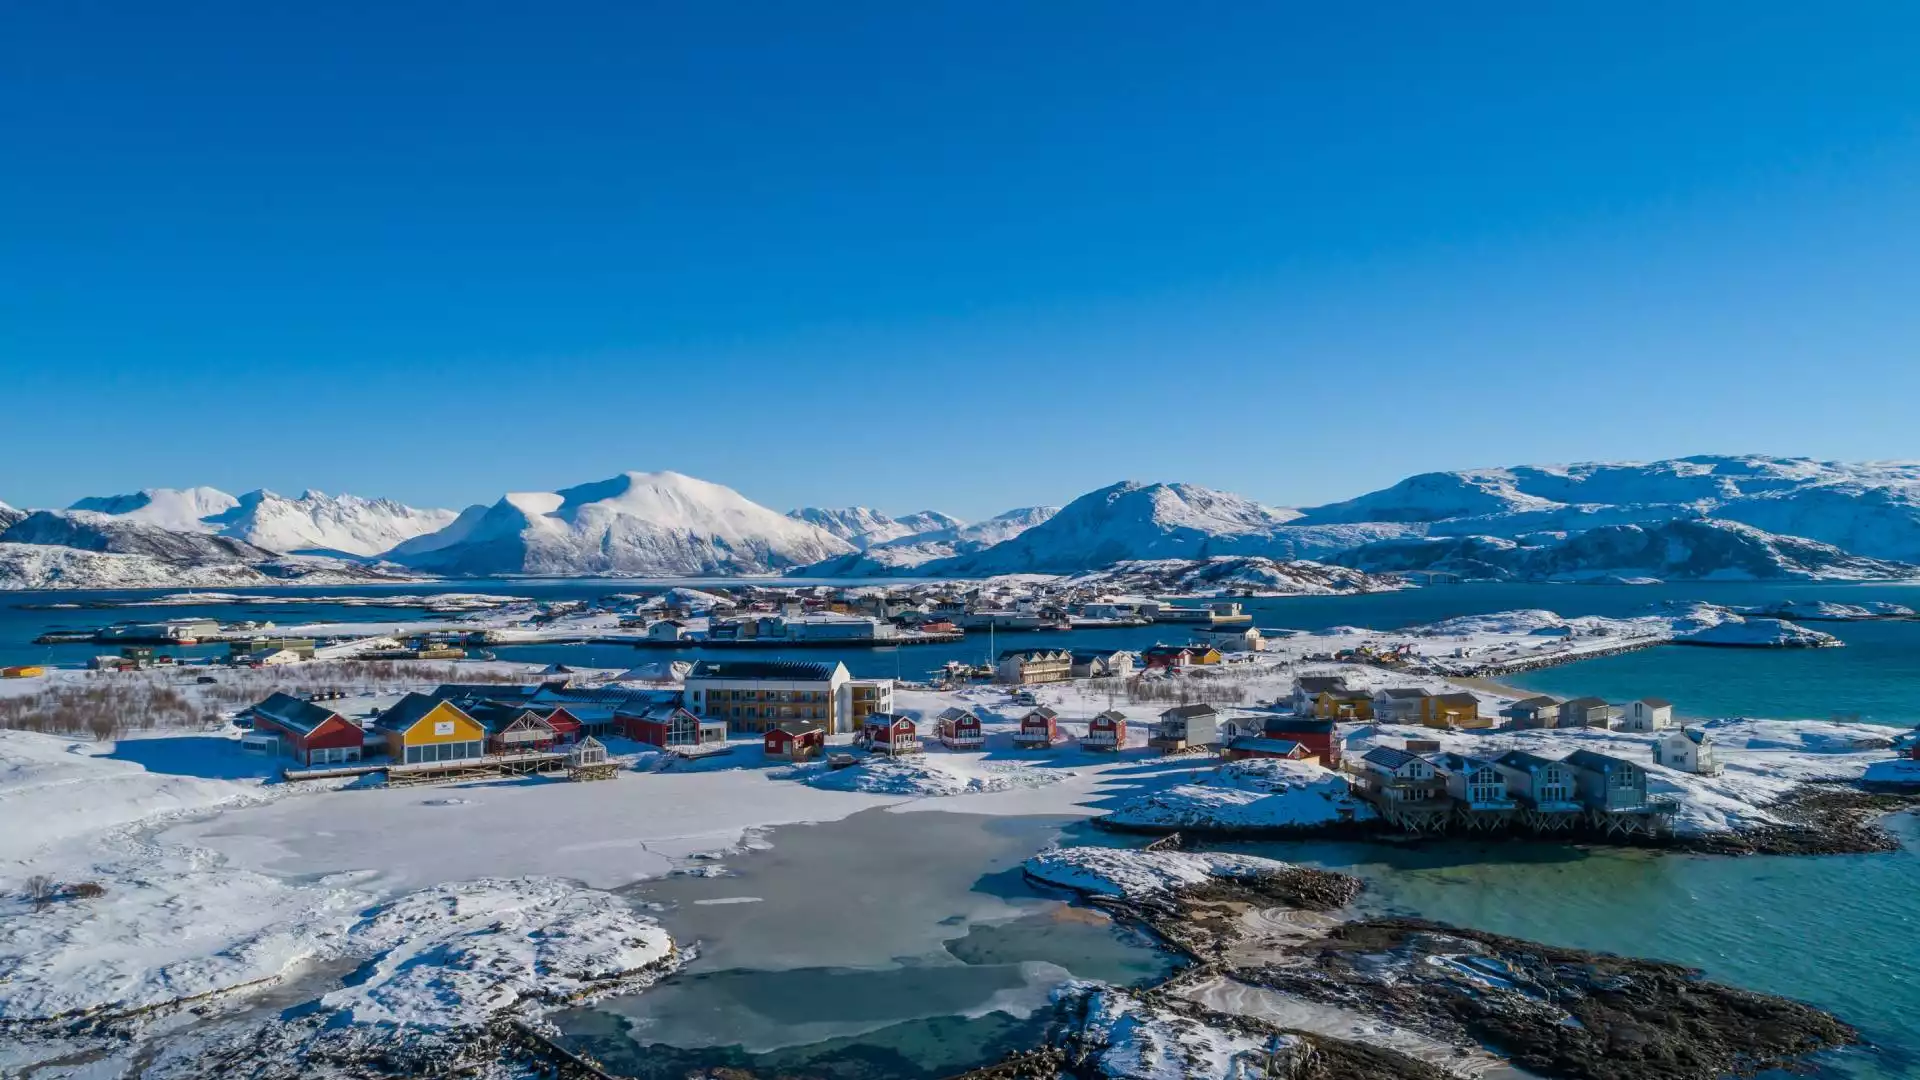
{"points": [[1259, 746], [795, 741], [1038, 729], [890, 733], [307, 733], [669, 726], [1456, 711], [1315, 734], [959, 729], [420, 729], [514, 729], [1108, 731]]}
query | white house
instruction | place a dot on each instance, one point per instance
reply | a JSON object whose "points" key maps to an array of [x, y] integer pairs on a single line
{"points": [[1688, 750], [1233, 638], [1399, 704], [1647, 714], [667, 630], [1308, 687], [1399, 776]]}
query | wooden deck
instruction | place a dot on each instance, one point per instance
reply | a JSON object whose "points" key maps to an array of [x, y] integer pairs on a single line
{"points": [[487, 767]]}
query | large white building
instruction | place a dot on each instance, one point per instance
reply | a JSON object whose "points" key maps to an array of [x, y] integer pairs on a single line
{"points": [[755, 695]]}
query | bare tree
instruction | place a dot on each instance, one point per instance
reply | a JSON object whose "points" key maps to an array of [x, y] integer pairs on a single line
{"points": [[41, 891]]}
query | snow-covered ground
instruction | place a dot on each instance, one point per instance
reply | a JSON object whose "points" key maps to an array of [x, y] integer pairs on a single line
{"points": [[1134, 875], [1259, 793]]}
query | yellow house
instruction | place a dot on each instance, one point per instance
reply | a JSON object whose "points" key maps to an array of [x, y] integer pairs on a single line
{"points": [[422, 729], [28, 671], [1343, 705], [1202, 654], [1454, 711]]}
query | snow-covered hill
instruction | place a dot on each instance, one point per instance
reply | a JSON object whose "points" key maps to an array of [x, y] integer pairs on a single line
{"points": [[909, 552], [314, 523], [85, 530], [1696, 548], [1232, 574], [321, 523], [863, 527], [1870, 509], [645, 524], [44, 566]]}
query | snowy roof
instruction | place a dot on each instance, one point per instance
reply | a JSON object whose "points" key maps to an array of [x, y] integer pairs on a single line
{"points": [[292, 713], [1458, 763], [1520, 759], [791, 670]]}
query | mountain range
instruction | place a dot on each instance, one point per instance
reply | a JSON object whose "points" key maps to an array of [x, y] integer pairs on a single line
{"points": [[1734, 517]]}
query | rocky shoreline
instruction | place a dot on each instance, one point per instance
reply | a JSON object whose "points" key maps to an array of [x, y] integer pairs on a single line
{"points": [[1561, 1014]]}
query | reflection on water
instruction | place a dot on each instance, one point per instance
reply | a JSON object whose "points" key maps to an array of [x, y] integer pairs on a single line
{"points": [[884, 945]]}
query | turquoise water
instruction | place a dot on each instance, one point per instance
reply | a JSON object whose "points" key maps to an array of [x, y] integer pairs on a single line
{"points": [[1840, 932]]}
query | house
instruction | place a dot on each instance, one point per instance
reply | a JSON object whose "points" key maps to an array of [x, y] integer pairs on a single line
{"points": [[1259, 746], [1038, 729], [1647, 714], [1101, 663], [567, 728], [1175, 658], [1343, 705], [1022, 666], [1233, 638], [1456, 711], [514, 729], [754, 695], [1608, 784], [1690, 750], [22, 671], [305, 732], [1473, 781], [1307, 688], [421, 729], [668, 726], [1590, 712], [1397, 776], [275, 658], [1185, 727], [667, 630], [1401, 704], [1314, 734], [1107, 731], [1541, 711], [1537, 782], [795, 740], [890, 733], [959, 729]]}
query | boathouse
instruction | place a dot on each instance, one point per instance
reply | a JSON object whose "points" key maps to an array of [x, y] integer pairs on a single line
{"points": [[1107, 731], [959, 729], [305, 732], [419, 729]]}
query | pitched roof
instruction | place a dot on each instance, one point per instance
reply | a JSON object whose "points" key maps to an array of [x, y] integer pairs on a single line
{"points": [[1525, 762], [797, 727], [1190, 712], [1405, 693], [1389, 757], [1314, 684], [1696, 736], [1458, 763], [1656, 703], [409, 711], [787, 670], [1043, 712], [1585, 703], [1035, 654], [1298, 725], [1596, 762], [951, 713], [1458, 699], [1114, 715], [496, 717], [292, 713], [1538, 701]]}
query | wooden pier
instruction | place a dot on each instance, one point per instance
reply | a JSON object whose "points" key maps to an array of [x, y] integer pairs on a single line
{"points": [[488, 767], [1447, 815]]}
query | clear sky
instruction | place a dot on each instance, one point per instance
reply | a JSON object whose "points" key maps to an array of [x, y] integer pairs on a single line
{"points": [[967, 256]]}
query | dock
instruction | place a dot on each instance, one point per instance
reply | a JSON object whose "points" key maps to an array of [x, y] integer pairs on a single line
{"points": [[487, 767], [1444, 815]]}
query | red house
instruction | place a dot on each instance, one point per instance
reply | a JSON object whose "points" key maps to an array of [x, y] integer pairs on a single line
{"points": [[1038, 729], [566, 726], [669, 727], [514, 729], [1108, 731], [1167, 657], [1255, 746], [306, 732], [1317, 736], [890, 733], [793, 741], [960, 730]]}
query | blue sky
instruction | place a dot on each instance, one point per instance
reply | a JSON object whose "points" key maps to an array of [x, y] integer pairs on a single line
{"points": [[968, 256]]}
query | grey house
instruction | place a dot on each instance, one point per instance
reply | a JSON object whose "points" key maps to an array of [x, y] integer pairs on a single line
{"points": [[1608, 784], [1542, 711], [1186, 726], [1474, 781], [1537, 782], [1586, 712]]}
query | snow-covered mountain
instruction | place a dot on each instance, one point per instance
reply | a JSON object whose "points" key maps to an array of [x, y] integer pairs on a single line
{"points": [[314, 523], [320, 523], [1693, 548], [863, 527], [1870, 509], [45, 566], [646, 524], [8, 515], [1234, 574], [908, 552], [86, 530]]}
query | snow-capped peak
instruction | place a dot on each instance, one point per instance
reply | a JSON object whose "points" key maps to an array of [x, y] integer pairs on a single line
{"points": [[179, 509], [864, 527], [318, 522]]}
